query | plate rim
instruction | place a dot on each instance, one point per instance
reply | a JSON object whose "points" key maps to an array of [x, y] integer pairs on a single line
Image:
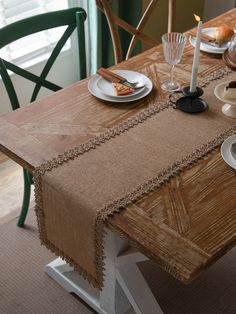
{"points": [[102, 96], [225, 146], [121, 96]]}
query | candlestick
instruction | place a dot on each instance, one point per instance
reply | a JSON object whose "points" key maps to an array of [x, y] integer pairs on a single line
{"points": [[193, 83], [190, 102]]}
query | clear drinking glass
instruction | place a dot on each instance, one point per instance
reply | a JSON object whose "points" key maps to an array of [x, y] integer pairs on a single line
{"points": [[173, 47]]}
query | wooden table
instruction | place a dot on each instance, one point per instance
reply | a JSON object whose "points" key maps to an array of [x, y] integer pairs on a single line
{"points": [[182, 232]]}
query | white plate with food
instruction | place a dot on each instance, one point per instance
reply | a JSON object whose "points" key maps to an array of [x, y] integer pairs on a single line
{"points": [[96, 87], [107, 88], [228, 151], [220, 39], [226, 92]]}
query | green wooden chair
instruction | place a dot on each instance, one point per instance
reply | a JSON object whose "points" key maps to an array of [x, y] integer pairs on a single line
{"points": [[72, 18]]}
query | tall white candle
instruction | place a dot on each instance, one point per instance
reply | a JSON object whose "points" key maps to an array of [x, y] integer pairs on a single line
{"points": [[193, 83]]}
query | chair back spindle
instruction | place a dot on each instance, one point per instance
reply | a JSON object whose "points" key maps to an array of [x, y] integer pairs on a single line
{"points": [[137, 33]]}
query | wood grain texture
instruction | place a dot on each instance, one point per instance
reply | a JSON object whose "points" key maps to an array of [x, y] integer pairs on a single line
{"points": [[191, 220], [185, 225]]}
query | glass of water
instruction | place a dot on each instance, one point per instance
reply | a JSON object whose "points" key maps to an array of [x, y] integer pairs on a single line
{"points": [[173, 47]]}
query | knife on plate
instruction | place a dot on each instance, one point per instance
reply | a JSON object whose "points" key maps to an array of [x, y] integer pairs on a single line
{"points": [[110, 76], [116, 78], [206, 39]]}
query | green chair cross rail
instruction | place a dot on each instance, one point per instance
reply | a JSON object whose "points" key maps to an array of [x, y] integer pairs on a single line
{"points": [[73, 18]]}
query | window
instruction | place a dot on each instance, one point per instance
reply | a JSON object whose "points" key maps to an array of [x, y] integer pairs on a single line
{"points": [[36, 46]]}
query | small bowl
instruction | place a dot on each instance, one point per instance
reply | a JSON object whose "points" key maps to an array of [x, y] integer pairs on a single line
{"points": [[229, 108]]}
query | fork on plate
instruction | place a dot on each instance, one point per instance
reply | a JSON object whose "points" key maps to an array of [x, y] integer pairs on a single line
{"points": [[115, 78]]}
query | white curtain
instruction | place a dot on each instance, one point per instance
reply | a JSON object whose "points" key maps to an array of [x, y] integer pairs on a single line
{"points": [[91, 32]]}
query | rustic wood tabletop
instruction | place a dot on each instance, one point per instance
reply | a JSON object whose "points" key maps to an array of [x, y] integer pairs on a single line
{"points": [[189, 222]]}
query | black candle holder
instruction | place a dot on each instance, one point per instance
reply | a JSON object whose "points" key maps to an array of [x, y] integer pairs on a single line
{"points": [[190, 102]]}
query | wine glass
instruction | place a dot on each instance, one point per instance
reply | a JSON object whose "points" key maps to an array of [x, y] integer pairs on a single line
{"points": [[173, 47]]}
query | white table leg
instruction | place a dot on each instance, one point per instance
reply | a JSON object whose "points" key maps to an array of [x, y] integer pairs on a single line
{"points": [[124, 285], [137, 290], [112, 298]]}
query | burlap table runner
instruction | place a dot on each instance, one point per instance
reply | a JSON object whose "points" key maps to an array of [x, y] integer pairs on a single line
{"points": [[76, 192]]}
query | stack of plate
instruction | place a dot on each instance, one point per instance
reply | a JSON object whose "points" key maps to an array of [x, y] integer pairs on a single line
{"points": [[102, 89], [210, 47]]}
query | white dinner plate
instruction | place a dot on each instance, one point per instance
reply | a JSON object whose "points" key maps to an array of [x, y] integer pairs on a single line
{"points": [[226, 151], [94, 90], [106, 87], [209, 47]]}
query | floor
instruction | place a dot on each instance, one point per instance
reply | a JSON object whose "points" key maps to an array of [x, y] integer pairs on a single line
{"points": [[11, 186]]}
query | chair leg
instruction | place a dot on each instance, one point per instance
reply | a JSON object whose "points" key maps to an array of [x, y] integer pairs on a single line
{"points": [[26, 198]]}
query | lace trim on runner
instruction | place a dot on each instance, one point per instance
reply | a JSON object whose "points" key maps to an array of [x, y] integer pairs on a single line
{"points": [[117, 205]]}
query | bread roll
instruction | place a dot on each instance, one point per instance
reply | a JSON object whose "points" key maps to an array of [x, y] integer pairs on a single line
{"points": [[223, 34]]}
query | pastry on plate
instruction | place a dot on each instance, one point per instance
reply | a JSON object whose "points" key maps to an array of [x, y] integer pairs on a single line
{"points": [[121, 89], [223, 34], [230, 91]]}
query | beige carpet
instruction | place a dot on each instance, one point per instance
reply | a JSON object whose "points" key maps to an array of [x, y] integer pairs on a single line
{"points": [[25, 288]]}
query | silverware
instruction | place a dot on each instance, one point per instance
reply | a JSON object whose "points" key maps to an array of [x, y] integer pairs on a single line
{"points": [[208, 42], [115, 78], [206, 39]]}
